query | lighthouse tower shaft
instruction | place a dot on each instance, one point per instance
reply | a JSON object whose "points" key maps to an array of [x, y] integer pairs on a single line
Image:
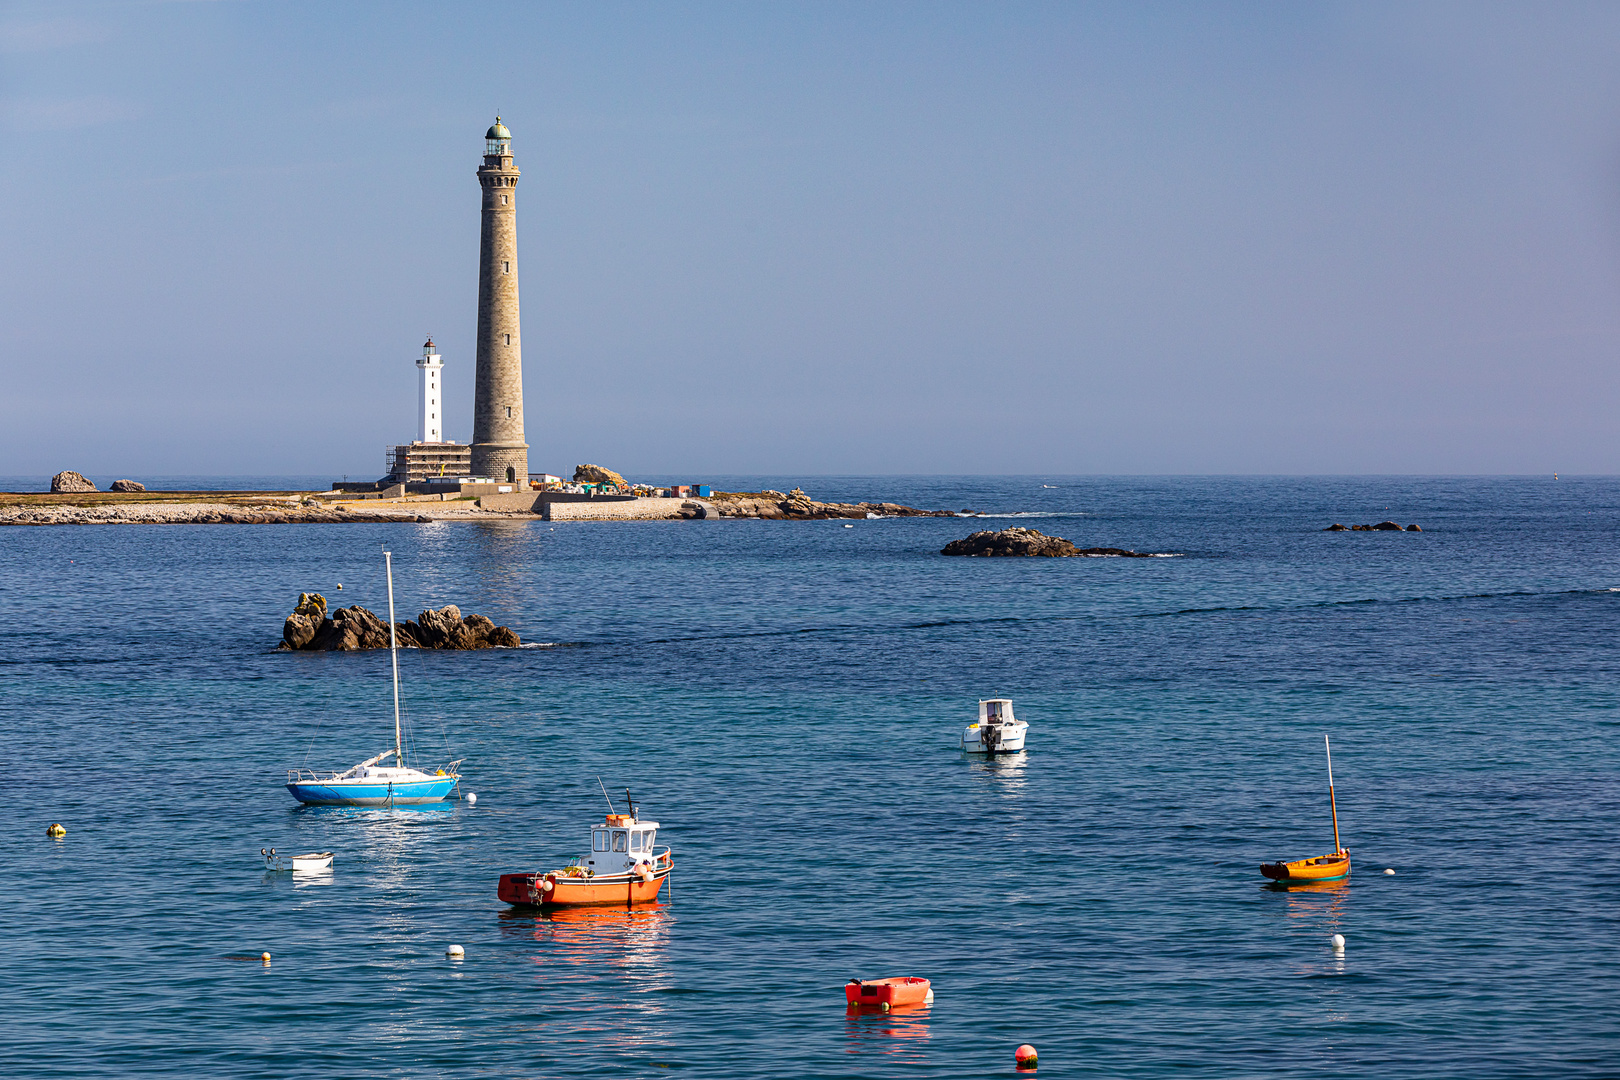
{"points": [[498, 449]]}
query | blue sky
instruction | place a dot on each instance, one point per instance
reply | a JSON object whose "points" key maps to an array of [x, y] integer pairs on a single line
{"points": [[822, 238]]}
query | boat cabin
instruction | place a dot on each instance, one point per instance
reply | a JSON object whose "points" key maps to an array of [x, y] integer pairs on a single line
{"points": [[620, 843], [996, 711]]}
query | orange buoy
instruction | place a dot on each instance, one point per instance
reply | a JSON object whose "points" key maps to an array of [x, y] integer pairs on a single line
{"points": [[1025, 1056]]}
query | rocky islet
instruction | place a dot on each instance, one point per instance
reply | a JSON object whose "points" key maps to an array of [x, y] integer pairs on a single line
{"points": [[353, 629], [1018, 541]]}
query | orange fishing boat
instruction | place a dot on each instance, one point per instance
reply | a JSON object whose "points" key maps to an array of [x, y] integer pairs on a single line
{"points": [[1330, 867], [622, 868]]}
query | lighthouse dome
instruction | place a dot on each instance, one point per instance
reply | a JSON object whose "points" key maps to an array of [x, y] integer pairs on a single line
{"points": [[497, 131]]}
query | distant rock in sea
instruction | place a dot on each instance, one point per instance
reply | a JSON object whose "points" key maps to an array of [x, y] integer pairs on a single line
{"points": [[1382, 526], [1020, 541], [354, 628], [70, 481], [797, 506], [126, 485]]}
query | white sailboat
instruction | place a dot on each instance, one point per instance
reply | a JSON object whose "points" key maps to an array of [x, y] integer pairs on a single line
{"points": [[371, 783]]}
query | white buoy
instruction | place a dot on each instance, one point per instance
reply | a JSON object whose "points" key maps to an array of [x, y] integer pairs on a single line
{"points": [[1391, 873], [265, 957], [340, 586], [472, 800], [455, 952], [1338, 943]]}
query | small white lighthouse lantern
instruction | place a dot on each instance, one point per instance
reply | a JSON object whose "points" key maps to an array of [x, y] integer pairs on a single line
{"points": [[430, 396]]}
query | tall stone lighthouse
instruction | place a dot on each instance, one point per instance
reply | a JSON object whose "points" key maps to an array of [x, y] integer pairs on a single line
{"points": [[498, 449]]}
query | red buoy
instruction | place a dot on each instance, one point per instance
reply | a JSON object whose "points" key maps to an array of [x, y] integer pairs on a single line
{"points": [[1025, 1056]]}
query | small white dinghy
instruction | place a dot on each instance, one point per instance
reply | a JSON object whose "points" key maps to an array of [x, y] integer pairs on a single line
{"points": [[997, 732], [298, 864]]}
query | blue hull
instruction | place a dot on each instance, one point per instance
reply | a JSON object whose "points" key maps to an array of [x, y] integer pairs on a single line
{"points": [[317, 793]]}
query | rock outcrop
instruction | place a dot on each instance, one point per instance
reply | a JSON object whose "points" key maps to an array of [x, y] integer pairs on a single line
{"points": [[354, 628], [1382, 526], [70, 481], [595, 474], [797, 506], [305, 621], [126, 485], [1019, 541]]}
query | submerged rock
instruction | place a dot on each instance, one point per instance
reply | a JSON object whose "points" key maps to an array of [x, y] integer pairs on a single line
{"points": [[1021, 541], [352, 629], [71, 482]]}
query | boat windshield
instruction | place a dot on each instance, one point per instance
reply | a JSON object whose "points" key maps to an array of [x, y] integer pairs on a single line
{"points": [[599, 840], [618, 839], [635, 840], [647, 844]]}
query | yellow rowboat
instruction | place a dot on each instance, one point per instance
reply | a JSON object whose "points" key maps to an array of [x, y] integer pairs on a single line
{"points": [[1330, 867]]}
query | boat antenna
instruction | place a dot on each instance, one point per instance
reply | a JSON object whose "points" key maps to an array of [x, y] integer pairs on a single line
{"points": [[604, 793], [393, 656], [1332, 800]]}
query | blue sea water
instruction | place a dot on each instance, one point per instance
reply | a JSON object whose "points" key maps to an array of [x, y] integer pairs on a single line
{"points": [[785, 698]]}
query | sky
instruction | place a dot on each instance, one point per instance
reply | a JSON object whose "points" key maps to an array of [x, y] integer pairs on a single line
{"points": [[819, 238]]}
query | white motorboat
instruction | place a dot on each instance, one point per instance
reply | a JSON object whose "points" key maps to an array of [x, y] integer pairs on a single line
{"points": [[997, 730], [298, 864]]}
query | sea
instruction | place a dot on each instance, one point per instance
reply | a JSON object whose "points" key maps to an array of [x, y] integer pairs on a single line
{"points": [[786, 700]]}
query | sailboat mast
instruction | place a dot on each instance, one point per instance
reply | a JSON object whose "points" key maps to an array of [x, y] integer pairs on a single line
{"points": [[393, 655], [1332, 801]]}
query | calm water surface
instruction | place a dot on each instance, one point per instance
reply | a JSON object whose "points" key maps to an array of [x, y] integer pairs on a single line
{"points": [[785, 699]]}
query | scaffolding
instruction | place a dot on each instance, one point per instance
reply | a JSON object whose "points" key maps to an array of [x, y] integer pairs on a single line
{"points": [[419, 461]]}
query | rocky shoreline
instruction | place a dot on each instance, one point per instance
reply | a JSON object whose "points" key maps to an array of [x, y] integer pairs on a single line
{"points": [[796, 505], [197, 513], [330, 508]]}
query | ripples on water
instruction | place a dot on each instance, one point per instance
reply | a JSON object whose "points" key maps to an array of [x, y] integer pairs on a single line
{"points": [[785, 699]]}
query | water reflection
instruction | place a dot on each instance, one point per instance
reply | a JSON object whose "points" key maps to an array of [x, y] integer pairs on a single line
{"points": [[1003, 773], [631, 938], [387, 841], [899, 1035], [1324, 906], [500, 554]]}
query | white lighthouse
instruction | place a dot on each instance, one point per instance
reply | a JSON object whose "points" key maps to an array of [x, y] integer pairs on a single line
{"points": [[429, 396], [429, 457]]}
